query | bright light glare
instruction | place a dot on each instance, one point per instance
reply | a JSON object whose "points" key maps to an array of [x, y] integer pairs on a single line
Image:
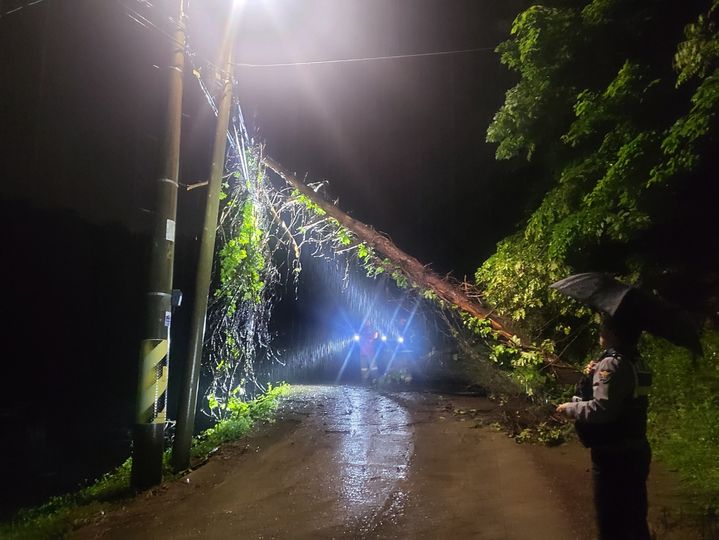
{"points": [[384, 338], [400, 339], [356, 337]]}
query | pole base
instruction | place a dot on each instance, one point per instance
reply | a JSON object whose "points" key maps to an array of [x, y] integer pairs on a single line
{"points": [[180, 456], [148, 447]]}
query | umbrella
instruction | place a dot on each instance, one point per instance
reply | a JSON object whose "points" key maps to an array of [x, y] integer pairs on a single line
{"points": [[596, 290], [648, 311]]}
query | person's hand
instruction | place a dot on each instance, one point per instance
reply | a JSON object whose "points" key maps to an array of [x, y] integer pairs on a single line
{"points": [[562, 410], [590, 366]]}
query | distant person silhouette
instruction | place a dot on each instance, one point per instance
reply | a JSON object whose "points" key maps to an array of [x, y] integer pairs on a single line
{"points": [[368, 343]]}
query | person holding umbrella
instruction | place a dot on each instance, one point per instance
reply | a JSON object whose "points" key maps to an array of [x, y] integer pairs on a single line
{"points": [[610, 414]]}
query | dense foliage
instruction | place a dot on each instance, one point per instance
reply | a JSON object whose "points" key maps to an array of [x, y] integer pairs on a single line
{"points": [[622, 136], [614, 112], [242, 261], [245, 277]]}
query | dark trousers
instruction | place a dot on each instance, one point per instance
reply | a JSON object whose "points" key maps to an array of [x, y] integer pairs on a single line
{"points": [[620, 492]]}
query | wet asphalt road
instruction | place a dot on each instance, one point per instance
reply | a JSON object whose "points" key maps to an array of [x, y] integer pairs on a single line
{"points": [[373, 440], [348, 462]]}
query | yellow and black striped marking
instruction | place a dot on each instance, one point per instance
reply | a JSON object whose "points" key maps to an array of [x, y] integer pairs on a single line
{"points": [[153, 381]]}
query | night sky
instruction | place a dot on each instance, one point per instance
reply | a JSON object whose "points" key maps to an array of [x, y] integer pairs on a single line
{"points": [[81, 110]]}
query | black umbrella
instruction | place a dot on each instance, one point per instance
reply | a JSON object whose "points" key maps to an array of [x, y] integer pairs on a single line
{"points": [[648, 311]]}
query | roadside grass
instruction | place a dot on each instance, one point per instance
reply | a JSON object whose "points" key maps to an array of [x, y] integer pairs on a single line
{"points": [[61, 514], [244, 415], [684, 415]]}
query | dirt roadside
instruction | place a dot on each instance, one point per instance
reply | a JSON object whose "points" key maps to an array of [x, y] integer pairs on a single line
{"points": [[344, 462], [566, 474]]}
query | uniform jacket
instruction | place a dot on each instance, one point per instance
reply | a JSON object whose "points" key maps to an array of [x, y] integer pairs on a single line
{"points": [[616, 411]]}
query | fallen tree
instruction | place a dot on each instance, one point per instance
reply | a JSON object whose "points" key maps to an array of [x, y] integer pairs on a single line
{"points": [[418, 274]]}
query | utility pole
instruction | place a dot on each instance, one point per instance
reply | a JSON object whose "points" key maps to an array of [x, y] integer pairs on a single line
{"points": [[191, 378], [151, 413]]}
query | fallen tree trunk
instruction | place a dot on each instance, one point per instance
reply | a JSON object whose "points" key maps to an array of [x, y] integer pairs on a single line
{"points": [[416, 272]]}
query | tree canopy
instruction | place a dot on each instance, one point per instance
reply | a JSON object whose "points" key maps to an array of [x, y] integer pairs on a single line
{"points": [[615, 108]]}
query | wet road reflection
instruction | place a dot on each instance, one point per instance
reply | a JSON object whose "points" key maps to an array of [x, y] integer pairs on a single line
{"points": [[374, 447]]}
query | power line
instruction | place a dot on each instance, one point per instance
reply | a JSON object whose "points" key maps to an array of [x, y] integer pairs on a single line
{"points": [[146, 23], [137, 17], [9, 7], [143, 21], [365, 58]]}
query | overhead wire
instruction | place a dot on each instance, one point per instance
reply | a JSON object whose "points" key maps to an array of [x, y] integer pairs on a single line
{"points": [[365, 58], [148, 24], [19, 7], [143, 21]]}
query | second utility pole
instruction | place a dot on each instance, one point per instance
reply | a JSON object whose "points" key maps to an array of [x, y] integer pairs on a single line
{"points": [[191, 378]]}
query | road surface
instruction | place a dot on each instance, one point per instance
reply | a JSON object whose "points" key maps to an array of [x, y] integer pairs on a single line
{"points": [[349, 462]]}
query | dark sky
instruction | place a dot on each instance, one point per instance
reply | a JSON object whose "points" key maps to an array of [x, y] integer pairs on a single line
{"points": [[401, 140]]}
